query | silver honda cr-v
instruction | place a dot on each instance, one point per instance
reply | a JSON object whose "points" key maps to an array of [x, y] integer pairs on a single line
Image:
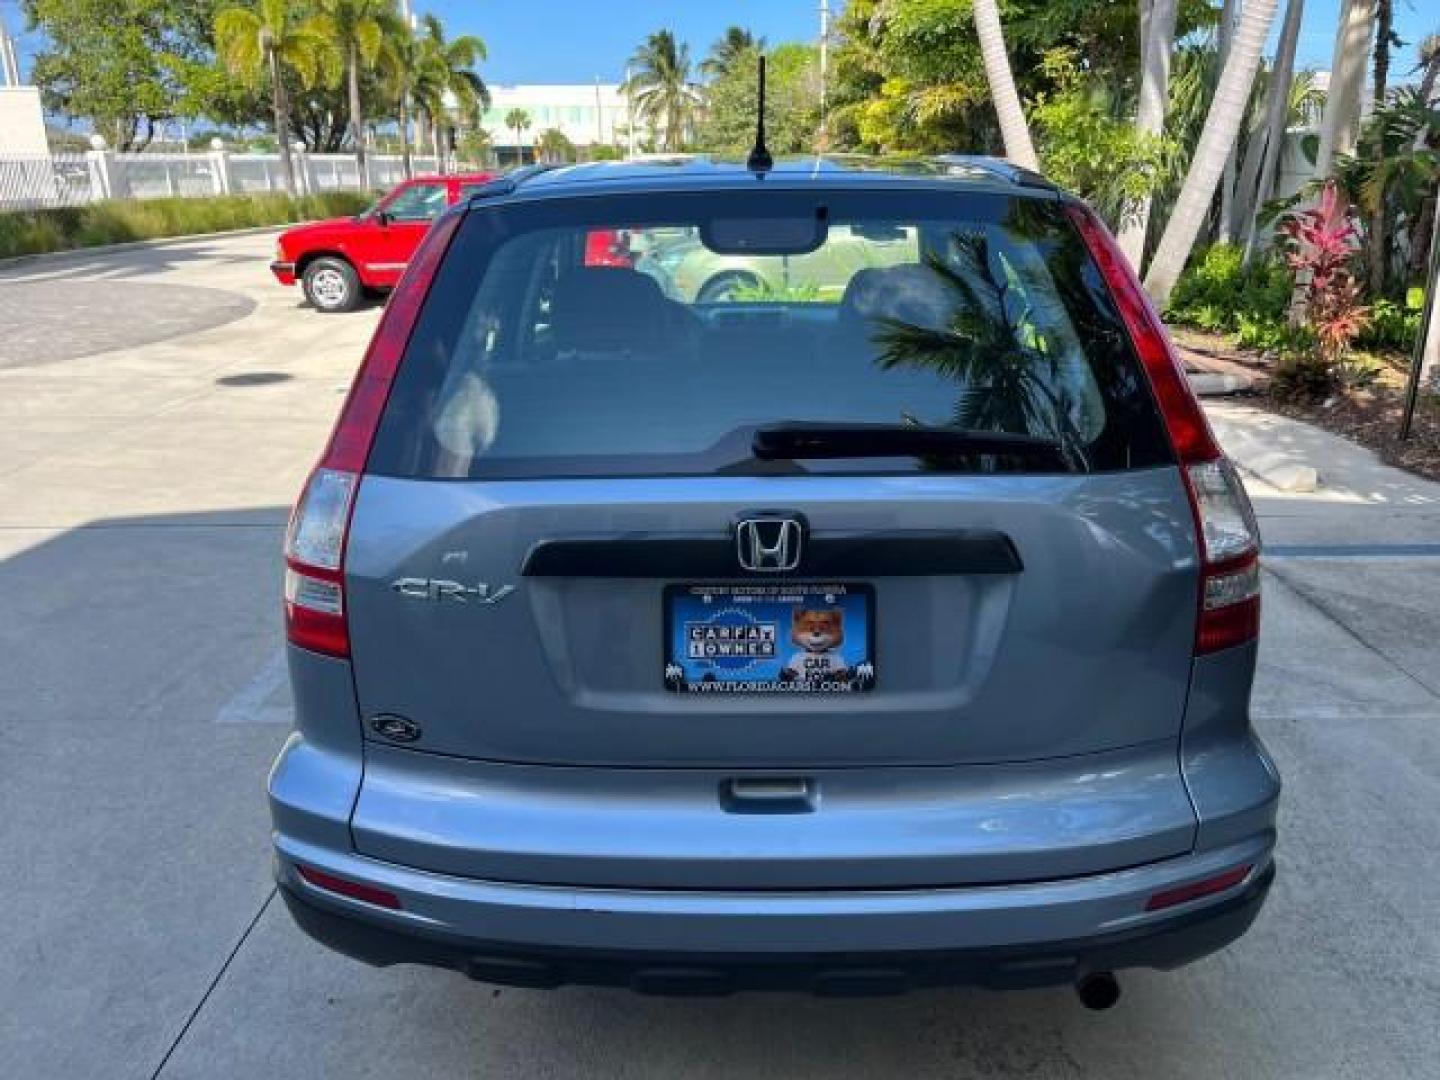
{"points": [[888, 623]]}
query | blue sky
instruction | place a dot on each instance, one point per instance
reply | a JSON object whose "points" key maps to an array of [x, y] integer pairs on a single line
{"points": [[577, 40], [580, 40]]}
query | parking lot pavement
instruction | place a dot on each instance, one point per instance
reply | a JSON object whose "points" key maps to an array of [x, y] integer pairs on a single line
{"points": [[143, 491]]}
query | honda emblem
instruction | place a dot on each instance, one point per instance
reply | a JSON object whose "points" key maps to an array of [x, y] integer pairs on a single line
{"points": [[769, 545]]}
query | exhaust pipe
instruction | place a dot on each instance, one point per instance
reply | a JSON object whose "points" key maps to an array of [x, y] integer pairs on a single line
{"points": [[1098, 991]]}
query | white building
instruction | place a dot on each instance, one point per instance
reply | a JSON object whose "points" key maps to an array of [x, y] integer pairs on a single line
{"points": [[22, 122], [588, 115]]}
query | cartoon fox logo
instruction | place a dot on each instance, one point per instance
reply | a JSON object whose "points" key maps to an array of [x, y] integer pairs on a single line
{"points": [[820, 634]]}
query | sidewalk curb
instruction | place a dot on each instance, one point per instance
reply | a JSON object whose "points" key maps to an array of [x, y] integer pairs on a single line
{"points": [[1215, 384], [138, 245]]}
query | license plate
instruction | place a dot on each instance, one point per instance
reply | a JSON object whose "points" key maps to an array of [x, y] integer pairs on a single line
{"points": [[769, 639]]}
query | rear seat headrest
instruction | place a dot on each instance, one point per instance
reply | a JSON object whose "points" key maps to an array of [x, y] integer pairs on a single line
{"points": [[909, 293], [606, 308]]}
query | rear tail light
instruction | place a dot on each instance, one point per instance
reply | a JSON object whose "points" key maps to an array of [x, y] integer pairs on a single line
{"points": [[320, 525], [1230, 542], [314, 555], [1228, 605]]}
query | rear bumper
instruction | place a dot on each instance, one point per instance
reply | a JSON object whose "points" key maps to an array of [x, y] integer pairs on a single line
{"points": [[284, 272], [825, 941], [1170, 943]]}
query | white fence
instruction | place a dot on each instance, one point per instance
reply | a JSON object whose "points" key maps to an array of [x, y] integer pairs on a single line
{"points": [[74, 179]]}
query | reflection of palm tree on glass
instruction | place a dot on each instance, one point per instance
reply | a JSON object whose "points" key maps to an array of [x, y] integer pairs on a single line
{"points": [[1009, 377]]}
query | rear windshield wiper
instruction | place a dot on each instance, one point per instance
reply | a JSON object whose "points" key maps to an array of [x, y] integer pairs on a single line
{"points": [[799, 440]]}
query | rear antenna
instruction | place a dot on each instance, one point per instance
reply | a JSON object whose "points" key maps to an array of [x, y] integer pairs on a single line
{"points": [[760, 160]]}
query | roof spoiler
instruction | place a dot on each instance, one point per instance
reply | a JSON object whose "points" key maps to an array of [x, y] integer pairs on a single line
{"points": [[506, 184], [997, 167]]}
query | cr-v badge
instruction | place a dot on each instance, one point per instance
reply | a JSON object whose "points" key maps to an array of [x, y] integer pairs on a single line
{"points": [[419, 588]]}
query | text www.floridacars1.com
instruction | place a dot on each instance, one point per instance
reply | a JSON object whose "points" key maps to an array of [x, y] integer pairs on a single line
{"points": [[805, 686]]}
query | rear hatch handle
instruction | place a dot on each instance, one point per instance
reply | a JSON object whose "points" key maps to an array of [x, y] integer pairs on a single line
{"points": [[769, 795]]}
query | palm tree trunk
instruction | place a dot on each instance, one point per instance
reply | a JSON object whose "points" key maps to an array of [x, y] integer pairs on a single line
{"points": [[1342, 104], [1277, 119], [1013, 129], [281, 107], [1222, 122], [1427, 85], [1384, 27], [1377, 243], [1225, 225], [1248, 181], [357, 120], [1157, 42], [405, 163], [1429, 347]]}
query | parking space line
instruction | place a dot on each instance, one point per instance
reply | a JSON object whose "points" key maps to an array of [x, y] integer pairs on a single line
{"points": [[1352, 551], [248, 706]]}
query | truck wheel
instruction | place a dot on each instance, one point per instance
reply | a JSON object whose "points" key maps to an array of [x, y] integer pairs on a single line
{"points": [[723, 286], [331, 285]]}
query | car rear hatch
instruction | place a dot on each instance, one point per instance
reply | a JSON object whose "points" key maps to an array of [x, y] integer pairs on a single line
{"points": [[1081, 645], [546, 540]]}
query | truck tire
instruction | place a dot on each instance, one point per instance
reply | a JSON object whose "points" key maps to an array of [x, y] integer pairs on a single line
{"points": [[331, 285]]}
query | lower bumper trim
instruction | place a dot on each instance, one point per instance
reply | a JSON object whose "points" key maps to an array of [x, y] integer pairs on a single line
{"points": [[1185, 937]]}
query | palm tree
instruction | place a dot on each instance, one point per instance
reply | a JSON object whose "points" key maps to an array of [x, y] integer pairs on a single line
{"points": [[449, 72], [356, 28], [1225, 222], [1222, 124], [1013, 129], [404, 59], [265, 42], [1385, 39], [1008, 379], [660, 87], [1347, 76], [475, 146], [737, 42], [1277, 116], [554, 146], [1429, 56], [1157, 43], [518, 121]]}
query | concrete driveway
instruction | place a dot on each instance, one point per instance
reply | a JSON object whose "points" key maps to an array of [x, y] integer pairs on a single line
{"points": [[143, 490]]}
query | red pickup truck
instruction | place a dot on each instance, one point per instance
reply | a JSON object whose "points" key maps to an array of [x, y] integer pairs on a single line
{"points": [[336, 262]]}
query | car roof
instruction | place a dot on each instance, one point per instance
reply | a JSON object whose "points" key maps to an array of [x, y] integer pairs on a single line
{"points": [[657, 173]]}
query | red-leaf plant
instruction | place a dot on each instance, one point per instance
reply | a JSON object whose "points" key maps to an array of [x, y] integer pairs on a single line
{"points": [[1321, 244]]}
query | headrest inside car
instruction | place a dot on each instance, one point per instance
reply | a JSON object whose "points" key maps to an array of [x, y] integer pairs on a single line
{"points": [[606, 308]]}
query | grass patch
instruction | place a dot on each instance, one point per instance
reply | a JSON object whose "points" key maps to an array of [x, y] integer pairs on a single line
{"points": [[37, 232]]}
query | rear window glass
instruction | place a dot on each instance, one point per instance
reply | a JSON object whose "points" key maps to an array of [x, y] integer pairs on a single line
{"points": [[601, 336]]}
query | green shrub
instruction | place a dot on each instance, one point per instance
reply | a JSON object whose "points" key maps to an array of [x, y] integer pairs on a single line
{"points": [[1392, 326], [1266, 334], [804, 292], [1217, 293], [33, 232]]}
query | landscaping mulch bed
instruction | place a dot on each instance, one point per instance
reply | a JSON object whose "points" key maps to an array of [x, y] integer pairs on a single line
{"points": [[1370, 417]]}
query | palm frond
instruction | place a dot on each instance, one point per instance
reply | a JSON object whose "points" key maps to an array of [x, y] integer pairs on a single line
{"points": [[237, 42]]}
